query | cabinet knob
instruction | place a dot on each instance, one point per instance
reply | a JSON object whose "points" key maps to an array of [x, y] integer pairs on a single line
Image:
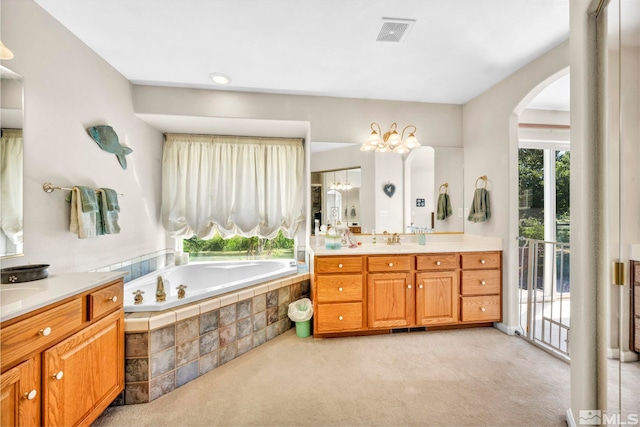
{"points": [[44, 332], [483, 309], [390, 264], [30, 395], [482, 261], [482, 282], [421, 286], [113, 299], [58, 376], [408, 286], [437, 262], [340, 289], [339, 265], [340, 317]]}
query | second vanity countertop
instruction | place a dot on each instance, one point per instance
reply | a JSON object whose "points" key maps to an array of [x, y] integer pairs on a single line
{"points": [[435, 244], [20, 298]]}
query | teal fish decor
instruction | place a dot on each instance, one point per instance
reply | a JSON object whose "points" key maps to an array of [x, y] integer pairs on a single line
{"points": [[107, 139]]}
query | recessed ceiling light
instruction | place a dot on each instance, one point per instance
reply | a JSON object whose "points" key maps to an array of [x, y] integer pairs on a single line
{"points": [[219, 78]]}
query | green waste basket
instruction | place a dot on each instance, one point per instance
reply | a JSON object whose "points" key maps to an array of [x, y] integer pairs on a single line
{"points": [[301, 312], [303, 329]]}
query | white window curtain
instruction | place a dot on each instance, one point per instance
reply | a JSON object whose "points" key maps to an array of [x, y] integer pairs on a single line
{"points": [[11, 184], [234, 185]]}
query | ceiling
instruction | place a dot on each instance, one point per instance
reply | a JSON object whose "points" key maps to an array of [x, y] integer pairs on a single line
{"points": [[454, 51]]}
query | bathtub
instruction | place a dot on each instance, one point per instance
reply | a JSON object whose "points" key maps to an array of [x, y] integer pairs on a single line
{"points": [[203, 280]]}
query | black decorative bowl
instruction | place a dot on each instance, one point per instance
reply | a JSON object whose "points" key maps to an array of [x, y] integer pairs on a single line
{"points": [[24, 273]]}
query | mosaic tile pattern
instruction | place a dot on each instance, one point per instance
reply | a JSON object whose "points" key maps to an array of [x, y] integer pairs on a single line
{"points": [[139, 266], [160, 360]]}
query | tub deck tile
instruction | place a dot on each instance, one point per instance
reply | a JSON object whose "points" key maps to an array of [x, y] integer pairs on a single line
{"points": [[163, 385], [209, 305], [209, 342], [209, 321], [186, 312], [187, 329], [228, 315]]}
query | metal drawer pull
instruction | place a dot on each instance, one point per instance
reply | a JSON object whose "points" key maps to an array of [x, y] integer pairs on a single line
{"points": [[58, 376], [44, 332], [482, 261], [483, 282], [30, 395], [483, 309], [408, 286], [421, 286], [437, 262], [390, 264], [340, 289], [113, 299], [339, 265], [340, 317]]}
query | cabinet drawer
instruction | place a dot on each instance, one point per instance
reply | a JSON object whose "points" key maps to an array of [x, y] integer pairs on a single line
{"points": [[339, 288], [481, 282], [29, 335], [481, 260], [338, 317], [338, 265], [105, 300], [390, 263], [437, 262], [480, 309]]}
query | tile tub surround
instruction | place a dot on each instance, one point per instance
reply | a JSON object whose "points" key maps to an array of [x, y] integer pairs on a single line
{"points": [[139, 266], [164, 350]]}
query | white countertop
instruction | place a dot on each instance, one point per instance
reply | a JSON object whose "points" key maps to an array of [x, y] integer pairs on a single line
{"points": [[454, 243], [20, 298]]}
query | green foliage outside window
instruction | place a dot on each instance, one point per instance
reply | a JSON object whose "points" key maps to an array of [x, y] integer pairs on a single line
{"points": [[238, 247]]}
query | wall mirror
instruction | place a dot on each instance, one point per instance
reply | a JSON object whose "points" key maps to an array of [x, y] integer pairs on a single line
{"points": [[11, 163], [335, 198], [413, 172]]}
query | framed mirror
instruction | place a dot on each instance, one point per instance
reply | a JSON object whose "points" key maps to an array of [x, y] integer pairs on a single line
{"points": [[11, 164]]}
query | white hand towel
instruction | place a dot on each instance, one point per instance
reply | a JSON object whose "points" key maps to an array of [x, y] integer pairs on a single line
{"points": [[82, 223]]}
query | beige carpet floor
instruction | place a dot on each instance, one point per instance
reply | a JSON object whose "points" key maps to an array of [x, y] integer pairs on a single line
{"points": [[464, 377]]}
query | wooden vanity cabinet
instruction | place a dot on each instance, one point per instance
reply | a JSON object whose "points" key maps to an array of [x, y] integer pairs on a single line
{"points": [[634, 327], [437, 292], [20, 394], [481, 287], [75, 366], [390, 292], [338, 295]]}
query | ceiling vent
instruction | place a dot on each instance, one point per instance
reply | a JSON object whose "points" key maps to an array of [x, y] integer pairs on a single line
{"points": [[394, 29]]}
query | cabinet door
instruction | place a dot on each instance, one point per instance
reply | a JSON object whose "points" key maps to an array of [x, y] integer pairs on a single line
{"points": [[391, 300], [20, 394], [437, 298], [84, 373]]}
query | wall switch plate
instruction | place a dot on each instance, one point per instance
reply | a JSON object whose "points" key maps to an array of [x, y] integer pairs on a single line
{"points": [[459, 212], [384, 213]]}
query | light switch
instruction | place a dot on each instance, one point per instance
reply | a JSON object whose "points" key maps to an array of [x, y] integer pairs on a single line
{"points": [[384, 213]]}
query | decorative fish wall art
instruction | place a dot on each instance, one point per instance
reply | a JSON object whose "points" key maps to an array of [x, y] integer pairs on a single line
{"points": [[107, 139]]}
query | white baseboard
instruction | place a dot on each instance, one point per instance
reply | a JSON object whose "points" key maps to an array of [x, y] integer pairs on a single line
{"points": [[613, 353], [502, 327], [629, 356], [570, 421]]}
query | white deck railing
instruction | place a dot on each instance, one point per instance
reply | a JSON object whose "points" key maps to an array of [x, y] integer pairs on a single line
{"points": [[544, 288]]}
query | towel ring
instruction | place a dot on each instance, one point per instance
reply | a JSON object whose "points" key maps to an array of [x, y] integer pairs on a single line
{"points": [[446, 188], [482, 178]]}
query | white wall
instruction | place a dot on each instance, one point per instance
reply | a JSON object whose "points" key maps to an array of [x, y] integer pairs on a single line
{"points": [[68, 88], [490, 143]]}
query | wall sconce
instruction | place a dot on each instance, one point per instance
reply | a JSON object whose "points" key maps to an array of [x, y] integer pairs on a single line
{"points": [[391, 140]]}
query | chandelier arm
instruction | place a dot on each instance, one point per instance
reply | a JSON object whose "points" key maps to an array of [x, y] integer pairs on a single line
{"points": [[407, 127]]}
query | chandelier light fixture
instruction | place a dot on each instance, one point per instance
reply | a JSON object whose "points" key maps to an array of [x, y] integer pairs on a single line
{"points": [[339, 185], [391, 141]]}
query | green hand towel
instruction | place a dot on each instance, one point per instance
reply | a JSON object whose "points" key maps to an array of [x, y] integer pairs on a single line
{"points": [[88, 199], [109, 213], [444, 207], [112, 199], [480, 209]]}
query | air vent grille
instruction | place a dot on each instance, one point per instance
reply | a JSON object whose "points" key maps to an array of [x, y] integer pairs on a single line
{"points": [[394, 30]]}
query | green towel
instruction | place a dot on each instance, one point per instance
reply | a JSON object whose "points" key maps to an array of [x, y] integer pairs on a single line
{"points": [[88, 199], [444, 207], [480, 210], [109, 208]]}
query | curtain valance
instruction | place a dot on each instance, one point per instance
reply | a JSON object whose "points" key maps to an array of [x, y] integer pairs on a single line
{"points": [[234, 185]]}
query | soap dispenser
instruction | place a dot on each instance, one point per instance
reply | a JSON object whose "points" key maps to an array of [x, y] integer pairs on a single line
{"points": [[373, 236]]}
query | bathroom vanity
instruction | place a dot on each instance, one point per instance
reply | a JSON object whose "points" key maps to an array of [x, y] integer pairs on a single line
{"points": [[377, 288], [62, 346]]}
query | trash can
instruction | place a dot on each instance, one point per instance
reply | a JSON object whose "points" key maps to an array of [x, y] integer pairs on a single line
{"points": [[300, 311]]}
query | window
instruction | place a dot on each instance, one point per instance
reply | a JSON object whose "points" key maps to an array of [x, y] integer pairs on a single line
{"points": [[238, 247]]}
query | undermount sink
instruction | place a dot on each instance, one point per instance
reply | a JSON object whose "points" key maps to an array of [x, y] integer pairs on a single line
{"points": [[9, 296]]}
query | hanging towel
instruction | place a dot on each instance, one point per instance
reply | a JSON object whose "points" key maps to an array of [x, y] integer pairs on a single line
{"points": [[84, 209], [480, 210], [444, 207], [109, 208]]}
